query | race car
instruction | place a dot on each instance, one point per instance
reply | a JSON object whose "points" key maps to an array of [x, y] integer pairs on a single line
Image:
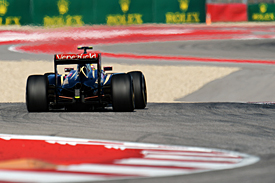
{"points": [[85, 88]]}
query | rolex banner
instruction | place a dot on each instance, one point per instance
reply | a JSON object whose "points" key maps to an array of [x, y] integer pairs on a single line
{"points": [[179, 11], [56, 13], [261, 12], [63, 12], [123, 12], [116, 12], [15, 12]]}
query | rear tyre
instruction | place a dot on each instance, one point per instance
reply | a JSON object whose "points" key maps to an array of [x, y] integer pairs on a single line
{"points": [[37, 93], [122, 93], [48, 73], [139, 89]]}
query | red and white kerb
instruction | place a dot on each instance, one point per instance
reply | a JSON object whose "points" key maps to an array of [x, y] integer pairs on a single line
{"points": [[58, 159]]}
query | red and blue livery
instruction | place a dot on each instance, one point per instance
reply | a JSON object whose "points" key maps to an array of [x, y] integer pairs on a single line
{"points": [[88, 87]]}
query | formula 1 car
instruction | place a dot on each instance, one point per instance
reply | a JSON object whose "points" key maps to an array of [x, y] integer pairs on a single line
{"points": [[85, 88]]}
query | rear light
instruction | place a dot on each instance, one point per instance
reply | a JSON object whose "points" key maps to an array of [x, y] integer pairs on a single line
{"points": [[77, 93]]}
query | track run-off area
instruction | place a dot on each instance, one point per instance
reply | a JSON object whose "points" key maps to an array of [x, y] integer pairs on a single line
{"points": [[66, 40], [223, 131]]}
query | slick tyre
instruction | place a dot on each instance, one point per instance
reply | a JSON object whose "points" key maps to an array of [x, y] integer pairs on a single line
{"points": [[36, 93], [122, 93], [140, 90], [48, 73]]}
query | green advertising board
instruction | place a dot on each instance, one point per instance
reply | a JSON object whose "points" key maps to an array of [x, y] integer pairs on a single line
{"points": [[179, 11], [63, 12], [117, 12], [56, 13], [261, 12], [123, 12], [15, 12]]}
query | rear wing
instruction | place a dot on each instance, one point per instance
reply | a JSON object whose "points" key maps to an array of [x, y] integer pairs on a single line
{"points": [[90, 58], [60, 59]]}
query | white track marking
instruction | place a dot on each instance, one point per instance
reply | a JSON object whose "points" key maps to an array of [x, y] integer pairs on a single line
{"points": [[21, 176], [172, 157], [131, 170], [193, 154], [146, 162]]}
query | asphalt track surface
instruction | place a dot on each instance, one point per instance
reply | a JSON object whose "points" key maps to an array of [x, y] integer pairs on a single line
{"points": [[216, 120]]}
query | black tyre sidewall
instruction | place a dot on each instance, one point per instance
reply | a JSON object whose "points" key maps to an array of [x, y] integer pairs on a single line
{"points": [[122, 93], [36, 93], [139, 89]]}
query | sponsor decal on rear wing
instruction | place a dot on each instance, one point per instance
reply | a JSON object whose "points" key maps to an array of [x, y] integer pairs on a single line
{"points": [[76, 56]]}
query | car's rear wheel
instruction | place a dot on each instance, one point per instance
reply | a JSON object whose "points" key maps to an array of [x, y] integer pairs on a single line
{"points": [[139, 89], [36, 93], [122, 93], [48, 73]]}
